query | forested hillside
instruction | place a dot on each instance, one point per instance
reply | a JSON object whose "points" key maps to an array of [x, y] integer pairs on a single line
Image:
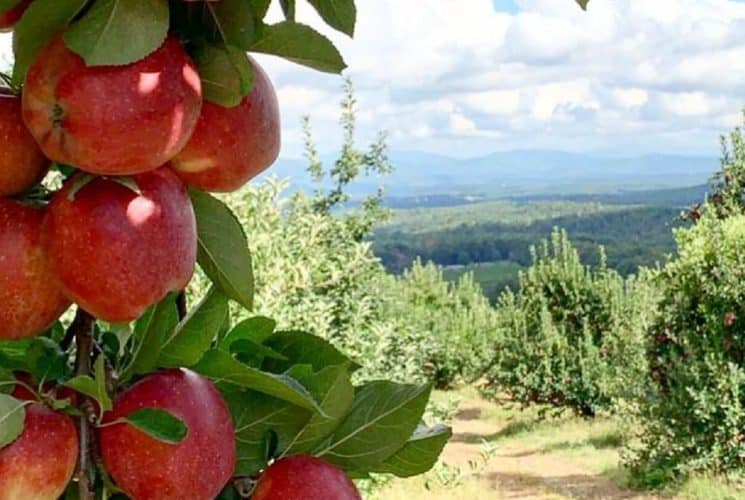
{"points": [[493, 239]]}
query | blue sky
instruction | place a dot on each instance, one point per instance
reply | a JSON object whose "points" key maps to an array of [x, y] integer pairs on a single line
{"points": [[467, 77]]}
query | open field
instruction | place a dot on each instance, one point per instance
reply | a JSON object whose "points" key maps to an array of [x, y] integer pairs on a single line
{"points": [[500, 452]]}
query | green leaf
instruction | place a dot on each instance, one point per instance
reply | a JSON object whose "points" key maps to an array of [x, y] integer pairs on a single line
{"points": [[95, 389], [150, 331], [300, 44], [222, 367], [334, 392], [256, 329], [382, 418], [118, 32], [194, 335], [40, 23], [419, 454], [256, 353], [339, 14], [260, 8], [260, 419], [13, 354], [223, 250], [7, 381], [160, 424], [226, 73], [234, 22], [583, 3], [45, 360], [6, 5], [301, 348], [288, 8], [12, 417]]}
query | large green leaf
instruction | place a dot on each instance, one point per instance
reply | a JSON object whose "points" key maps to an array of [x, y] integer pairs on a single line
{"points": [[339, 14], [260, 422], [260, 8], [223, 250], [194, 335], [226, 73], [41, 22], [419, 454], [45, 360], [222, 367], [383, 416], [301, 348], [234, 22], [257, 329], [301, 44], [159, 424], [118, 32], [12, 416], [334, 392], [150, 331]]}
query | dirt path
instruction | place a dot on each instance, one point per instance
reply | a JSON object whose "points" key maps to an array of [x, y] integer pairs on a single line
{"points": [[516, 471]]}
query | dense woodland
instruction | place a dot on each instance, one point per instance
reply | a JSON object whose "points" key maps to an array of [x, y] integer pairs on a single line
{"points": [[502, 234]]}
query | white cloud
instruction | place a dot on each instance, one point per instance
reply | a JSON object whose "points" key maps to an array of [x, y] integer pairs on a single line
{"points": [[447, 75]]}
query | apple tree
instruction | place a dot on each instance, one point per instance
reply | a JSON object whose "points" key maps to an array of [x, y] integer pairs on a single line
{"points": [[120, 121]]}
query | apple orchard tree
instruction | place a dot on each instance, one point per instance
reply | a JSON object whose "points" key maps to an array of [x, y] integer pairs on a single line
{"points": [[119, 119]]}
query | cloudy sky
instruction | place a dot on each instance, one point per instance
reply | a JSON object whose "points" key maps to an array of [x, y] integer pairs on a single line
{"points": [[467, 77]]}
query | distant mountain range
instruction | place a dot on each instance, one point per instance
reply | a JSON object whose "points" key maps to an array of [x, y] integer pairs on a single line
{"points": [[519, 173]]}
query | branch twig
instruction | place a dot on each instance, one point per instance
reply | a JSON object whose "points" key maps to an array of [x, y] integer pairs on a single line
{"points": [[82, 330]]}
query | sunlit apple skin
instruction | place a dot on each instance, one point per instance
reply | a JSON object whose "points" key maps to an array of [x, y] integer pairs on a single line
{"points": [[22, 163], [301, 477], [117, 251], [39, 464], [114, 120], [30, 294], [198, 467], [9, 18], [232, 145]]}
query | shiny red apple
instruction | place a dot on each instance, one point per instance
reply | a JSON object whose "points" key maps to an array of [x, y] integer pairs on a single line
{"points": [[119, 249], [198, 467], [30, 293], [232, 145], [114, 120], [300, 477]]}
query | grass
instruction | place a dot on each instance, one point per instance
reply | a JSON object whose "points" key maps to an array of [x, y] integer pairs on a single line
{"points": [[555, 458]]}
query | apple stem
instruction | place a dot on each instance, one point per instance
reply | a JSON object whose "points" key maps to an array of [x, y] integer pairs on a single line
{"points": [[82, 331], [181, 304]]}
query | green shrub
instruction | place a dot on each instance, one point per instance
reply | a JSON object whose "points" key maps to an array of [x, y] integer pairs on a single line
{"points": [[693, 418], [565, 335]]}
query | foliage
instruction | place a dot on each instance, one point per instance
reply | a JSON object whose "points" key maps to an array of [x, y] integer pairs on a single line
{"points": [[501, 232], [692, 418], [563, 333]]}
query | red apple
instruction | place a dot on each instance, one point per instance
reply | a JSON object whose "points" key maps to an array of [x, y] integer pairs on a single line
{"points": [[30, 294], [232, 145], [301, 477], [9, 18], [117, 251], [114, 120], [22, 163], [198, 467], [39, 464]]}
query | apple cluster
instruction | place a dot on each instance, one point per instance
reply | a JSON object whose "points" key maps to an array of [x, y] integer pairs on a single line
{"points": [[116, 238]]}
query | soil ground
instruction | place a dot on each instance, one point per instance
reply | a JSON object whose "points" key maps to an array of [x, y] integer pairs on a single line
{"points": [[500, 452]]}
